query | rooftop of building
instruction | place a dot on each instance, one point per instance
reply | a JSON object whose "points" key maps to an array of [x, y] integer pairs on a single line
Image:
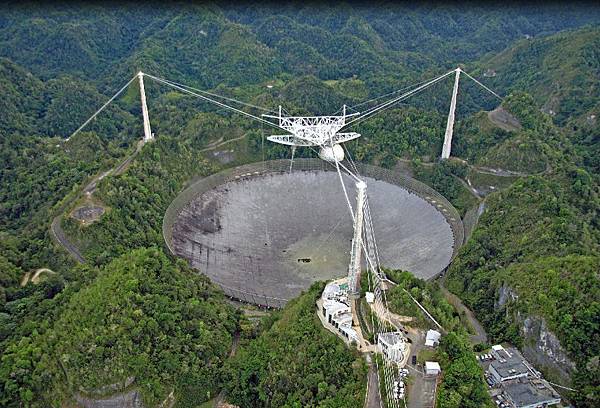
{"points": [[343, 318], [432, 337], [391, 338], [509, 363], [432, 365], [333, 305], [526, 393]]}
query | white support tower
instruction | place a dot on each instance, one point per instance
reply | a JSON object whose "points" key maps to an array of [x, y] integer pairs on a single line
{"points": [[354, 269], [450, 124], [148, 136]]}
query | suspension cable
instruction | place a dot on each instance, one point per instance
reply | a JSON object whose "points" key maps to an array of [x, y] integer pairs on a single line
{"points": [[221, 104], [388, 94], [406, 95], [217, 96], [102, 108], [482, 85]]}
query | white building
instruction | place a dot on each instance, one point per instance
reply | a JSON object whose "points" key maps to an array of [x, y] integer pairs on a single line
{"points": [[337, 312], [432, 368], [349, 333], [332, 308], [433, 338], [393, 345]]}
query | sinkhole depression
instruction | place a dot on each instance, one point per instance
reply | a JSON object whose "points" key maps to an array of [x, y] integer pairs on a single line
{"points": [[264, 233]]}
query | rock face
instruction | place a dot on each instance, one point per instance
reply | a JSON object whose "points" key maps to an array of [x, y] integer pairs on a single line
{"points": [[540, 346], [543, 349], [505, 294], [103, 397], [129, 399]]}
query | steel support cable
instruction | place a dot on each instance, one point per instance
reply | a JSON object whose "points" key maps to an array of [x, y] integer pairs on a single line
{"points": [[221, 104], [370, 237], [338, 164], [337, 167], [379, 327], [352, 164], [398, 101], [388, 94], [482, 85], [376, 326], [102, 108], [385, 105], [372, 228], [396, 104], [217, 95]]}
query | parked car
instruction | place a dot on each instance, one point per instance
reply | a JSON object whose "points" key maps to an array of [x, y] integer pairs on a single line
{"points": [[414, 360]]}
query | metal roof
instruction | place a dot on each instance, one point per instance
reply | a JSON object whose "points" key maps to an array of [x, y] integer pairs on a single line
{"points": [[524, 394], [510, 365]]}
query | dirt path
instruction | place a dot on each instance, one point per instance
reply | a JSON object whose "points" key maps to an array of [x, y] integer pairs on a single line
{"points": [[480, 335], [220, 400], [56, 230], [500, 172], [219, 143]]}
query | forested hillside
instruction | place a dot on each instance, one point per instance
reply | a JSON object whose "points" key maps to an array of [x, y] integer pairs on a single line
{"points": [[234, 44], [561, 72], [33, 107], [534, 253], [296, 362], [143, 317]]}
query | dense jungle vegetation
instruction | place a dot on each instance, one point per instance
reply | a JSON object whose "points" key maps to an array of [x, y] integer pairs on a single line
{"points": [[463, 384], [142, 316], [296, 362], [59, 63], [426, 293]]}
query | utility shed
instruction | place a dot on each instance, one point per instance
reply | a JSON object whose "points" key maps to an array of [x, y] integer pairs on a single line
{"points": [[433, 338], [432, 368], [527, 394]]}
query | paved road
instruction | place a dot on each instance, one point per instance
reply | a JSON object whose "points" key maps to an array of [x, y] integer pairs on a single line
{"points": [[373, 399], [59, 235], [421, 393]]}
